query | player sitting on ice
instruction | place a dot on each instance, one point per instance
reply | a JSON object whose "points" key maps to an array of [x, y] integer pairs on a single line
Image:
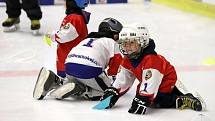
{"points": [[156, 76], [85, 66]]}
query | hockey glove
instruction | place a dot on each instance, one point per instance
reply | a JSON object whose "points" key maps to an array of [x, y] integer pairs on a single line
{"points": [[111, 91], [139, 105]]}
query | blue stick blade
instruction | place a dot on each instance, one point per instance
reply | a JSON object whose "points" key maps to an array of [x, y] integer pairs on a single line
{"points": [[103, 104]]}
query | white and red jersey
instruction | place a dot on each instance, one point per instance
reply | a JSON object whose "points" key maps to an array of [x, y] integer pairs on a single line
{"points": [[97, 52], [72, 31], [72, 27], [153, 72]]}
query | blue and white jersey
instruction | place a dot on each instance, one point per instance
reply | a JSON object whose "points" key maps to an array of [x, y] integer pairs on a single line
{"points": [[88, 62], [95, 52], [91, 57]]}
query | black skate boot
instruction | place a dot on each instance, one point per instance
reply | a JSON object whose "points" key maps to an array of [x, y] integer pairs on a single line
{"points": [[11, 24], [46, 81], [35, 26], [188, 101]]}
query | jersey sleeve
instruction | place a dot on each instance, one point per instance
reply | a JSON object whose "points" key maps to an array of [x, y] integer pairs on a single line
{"points": [[124, 80], [151, 80], [66, 33], [152, 76], [115, 57], [114, 64], [70, 29]]}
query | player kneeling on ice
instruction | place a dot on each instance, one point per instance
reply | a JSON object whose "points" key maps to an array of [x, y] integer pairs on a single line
{"points": [[85, 66], [72, 31], [156, 76]]}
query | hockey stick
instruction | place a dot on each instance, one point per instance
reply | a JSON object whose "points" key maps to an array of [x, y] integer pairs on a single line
{"points": [[103, 104]]}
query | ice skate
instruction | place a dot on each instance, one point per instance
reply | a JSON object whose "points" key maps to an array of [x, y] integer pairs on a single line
{"points": [[63, 91], [199, 97], [68, 89], [35, 27], [188, 101], [11, 24], [46, 81]]}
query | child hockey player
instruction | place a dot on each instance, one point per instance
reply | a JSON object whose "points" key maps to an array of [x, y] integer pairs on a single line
{"points": [[156, 76], [14, 7], [85, 66], [72, 31]]}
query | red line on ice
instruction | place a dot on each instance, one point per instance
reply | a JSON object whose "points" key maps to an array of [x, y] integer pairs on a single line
{"points": [[27, 73], [19, 73]]}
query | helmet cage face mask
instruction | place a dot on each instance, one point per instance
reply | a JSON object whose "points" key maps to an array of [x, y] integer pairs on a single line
{"points": [[130, 46]]}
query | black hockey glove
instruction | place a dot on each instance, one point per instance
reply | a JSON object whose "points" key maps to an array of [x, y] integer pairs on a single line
{"points": [[111, 91], [139, 105]]}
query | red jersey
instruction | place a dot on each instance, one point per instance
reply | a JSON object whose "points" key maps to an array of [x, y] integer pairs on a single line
{"points": [[72, 31], [153, 72]]}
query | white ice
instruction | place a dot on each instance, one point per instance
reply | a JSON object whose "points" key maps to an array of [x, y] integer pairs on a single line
{"points": [[185, 39]]}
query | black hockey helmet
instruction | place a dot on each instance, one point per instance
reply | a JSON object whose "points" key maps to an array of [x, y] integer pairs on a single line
{"points": [[110, 25], [109, 28]]}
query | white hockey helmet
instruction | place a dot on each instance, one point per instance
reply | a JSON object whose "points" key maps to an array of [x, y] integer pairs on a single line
{"points": [[131, 42], [144, 31]]}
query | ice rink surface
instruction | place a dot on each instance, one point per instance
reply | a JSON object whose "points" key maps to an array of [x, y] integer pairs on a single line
{"points": [[185, 39]]}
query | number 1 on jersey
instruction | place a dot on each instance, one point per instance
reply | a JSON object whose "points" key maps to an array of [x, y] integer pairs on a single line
{"points": [[89, 43]]}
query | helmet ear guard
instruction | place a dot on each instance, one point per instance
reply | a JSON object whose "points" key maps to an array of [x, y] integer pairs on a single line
{"points": [[142, 29], [145, 36]]}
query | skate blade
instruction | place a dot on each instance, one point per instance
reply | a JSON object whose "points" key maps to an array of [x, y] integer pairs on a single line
{"points": [[39, 86], [198, 96], [12, 28], [36, 32]]}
